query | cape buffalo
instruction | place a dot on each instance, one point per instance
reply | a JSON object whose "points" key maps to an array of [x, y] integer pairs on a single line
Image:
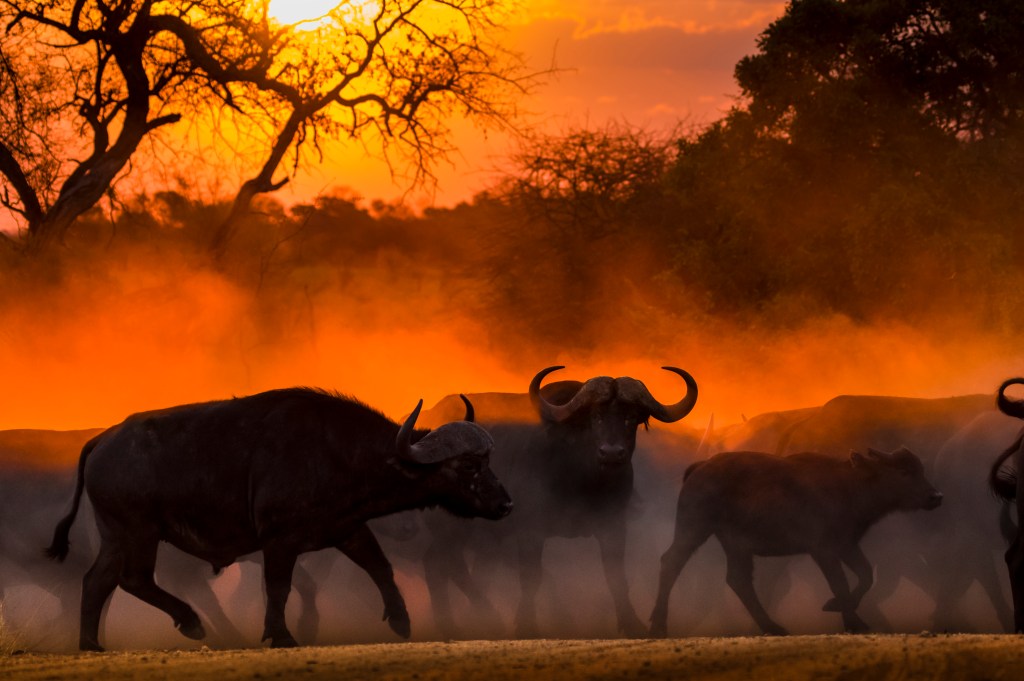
{"points": [[572, 476], [760, 504], [906, 547], [1007, 485], [282, 472]]}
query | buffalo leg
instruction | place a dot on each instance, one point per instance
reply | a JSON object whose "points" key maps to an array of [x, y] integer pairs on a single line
{"points": [[439, 561], [364, 550], [179, 574], [773, 580], [201, 594], [989, 580], [832, 568], [951, 585], [470, 587], [278, 565], [1015, 564], [613, 559], [97, 585], [684, 545], [855, 559], [306, 588], [137, 579], [887, 582], [740, 578], [531, 552]]}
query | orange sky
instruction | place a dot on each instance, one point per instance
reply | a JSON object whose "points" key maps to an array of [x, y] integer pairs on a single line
{"points": [[655, 64]]}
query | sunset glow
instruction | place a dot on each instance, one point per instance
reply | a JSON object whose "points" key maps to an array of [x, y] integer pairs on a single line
{"points": [[307, 14], [293, 11]]}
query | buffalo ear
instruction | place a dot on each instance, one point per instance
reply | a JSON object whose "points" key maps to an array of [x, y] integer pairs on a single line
{"points": [[858, 460], [410, 470]]}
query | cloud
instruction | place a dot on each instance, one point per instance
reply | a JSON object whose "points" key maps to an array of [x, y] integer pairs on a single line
{"points": [[694, 16]]}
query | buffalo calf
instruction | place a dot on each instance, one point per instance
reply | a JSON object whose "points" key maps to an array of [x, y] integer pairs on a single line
{"points": [[764, 505]]}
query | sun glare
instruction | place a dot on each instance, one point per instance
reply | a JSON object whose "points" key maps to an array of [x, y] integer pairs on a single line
{"points": [[310, 13]]}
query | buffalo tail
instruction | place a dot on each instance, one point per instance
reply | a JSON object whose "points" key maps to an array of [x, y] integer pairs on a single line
{"points": [[58, 549]]}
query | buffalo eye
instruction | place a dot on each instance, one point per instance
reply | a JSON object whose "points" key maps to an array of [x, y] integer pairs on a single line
{"points": [[468, 467]]}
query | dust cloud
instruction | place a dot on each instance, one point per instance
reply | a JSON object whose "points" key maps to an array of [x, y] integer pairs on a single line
{"points": [[132, 321]]}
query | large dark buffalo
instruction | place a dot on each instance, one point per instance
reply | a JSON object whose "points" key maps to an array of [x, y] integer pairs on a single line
{"points": [[1006, 483], [282, 472], [572, 476], [882, 422], [759, 504]]}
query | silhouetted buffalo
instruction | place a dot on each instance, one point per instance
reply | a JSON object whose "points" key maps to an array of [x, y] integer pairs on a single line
{"points": [[1006, 484], [764, 505], [572, 476], [907, 547], [283, 472]]}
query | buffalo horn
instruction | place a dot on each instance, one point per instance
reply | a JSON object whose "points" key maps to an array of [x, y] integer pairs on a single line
{"points": [[593, 390], [470, 412], [403, 443], [670, 413], [1010, 407]]}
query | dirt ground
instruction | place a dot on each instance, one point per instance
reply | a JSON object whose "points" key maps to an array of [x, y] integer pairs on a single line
{"points": [[844, 657]]}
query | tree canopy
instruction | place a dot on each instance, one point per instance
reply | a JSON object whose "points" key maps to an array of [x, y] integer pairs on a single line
{"points": [[84, 82]]}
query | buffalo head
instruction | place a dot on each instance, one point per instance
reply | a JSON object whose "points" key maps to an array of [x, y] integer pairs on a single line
{"points": [[454, 459], [899, 476], [610, 410]]}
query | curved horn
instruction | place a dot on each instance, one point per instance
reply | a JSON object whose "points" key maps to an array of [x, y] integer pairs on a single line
{"points": [[1010, 407], [470, 412], [594, 389], [403, 442], [670, 413], [548, 411]]}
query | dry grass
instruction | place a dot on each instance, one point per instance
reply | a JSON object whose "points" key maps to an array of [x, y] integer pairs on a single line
{"points": [[821, 658], [10, 639]]}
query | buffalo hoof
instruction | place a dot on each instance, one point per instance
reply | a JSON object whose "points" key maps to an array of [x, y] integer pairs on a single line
{"points": [[90, 646], [284, 642], [633, 628], [855, 625], [658, 630], [399, 623], [775, 630], [193, 630], [831, 605]]}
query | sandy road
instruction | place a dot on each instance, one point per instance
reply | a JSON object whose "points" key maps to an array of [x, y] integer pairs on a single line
{"points": [[796, 657]]}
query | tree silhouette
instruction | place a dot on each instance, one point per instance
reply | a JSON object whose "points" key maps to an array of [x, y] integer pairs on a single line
{"points": [[84, 82], [871, 71]]}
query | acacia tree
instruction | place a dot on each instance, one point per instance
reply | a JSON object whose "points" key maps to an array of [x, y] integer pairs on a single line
{"points": [[589, 183], [577, 213], [84, 82]]}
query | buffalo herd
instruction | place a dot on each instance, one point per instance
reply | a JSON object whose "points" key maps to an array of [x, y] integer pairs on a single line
{"points": [[892, 500]]}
